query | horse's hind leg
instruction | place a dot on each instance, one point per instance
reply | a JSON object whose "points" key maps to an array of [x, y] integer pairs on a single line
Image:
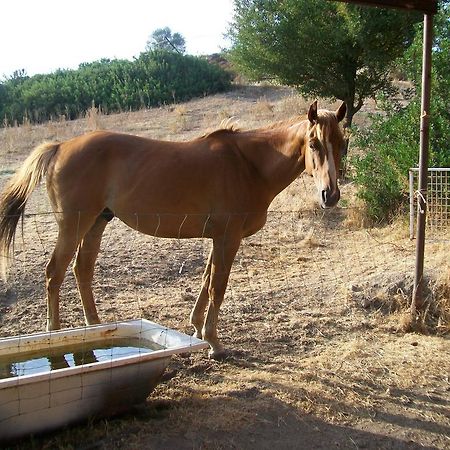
{"points": [[84, 268], [198, 312], [71, 231]]}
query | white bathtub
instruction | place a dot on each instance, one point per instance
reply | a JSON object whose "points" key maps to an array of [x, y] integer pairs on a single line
{"points": [[36, 396]]}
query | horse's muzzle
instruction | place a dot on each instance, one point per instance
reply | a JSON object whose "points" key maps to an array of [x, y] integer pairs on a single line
{"points": [[329, 198]]}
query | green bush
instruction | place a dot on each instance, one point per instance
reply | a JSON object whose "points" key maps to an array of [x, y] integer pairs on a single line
{"points": [[390, 149], [154, 78]]}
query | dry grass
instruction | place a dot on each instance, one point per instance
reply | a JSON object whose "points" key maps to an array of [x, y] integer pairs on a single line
{"points": [[309, 240], [94, 118], [263, 108], [312, 312]]}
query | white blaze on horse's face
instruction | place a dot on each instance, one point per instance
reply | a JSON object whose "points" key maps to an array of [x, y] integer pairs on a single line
{"points": [[322, 166], [323, 153]]}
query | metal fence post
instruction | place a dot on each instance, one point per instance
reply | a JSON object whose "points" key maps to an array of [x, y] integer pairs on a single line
{"points": [[411, 205], [417, 297]]}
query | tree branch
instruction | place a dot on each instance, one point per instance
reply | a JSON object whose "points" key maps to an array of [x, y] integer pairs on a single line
{"points": [[173, 46]]}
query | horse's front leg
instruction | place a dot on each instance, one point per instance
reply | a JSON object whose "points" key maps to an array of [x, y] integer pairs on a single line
{"points": [[197, 317], [223, 253]]}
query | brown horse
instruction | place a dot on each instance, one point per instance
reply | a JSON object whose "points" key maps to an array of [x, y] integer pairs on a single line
{"points": [[217, 186]]}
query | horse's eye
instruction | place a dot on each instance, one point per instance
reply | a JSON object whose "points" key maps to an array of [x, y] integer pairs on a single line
{"points": [[314, 144]]}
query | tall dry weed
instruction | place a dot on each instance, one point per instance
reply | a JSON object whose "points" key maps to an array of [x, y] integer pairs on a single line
{"points": [[180, 119], [94, 118], [8, 138]]}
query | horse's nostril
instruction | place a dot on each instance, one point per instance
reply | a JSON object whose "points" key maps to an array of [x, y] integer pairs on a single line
{"points": [[324, 196]]}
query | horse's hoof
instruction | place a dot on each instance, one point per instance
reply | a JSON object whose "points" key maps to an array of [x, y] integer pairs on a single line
{"points": [[218, 355]]}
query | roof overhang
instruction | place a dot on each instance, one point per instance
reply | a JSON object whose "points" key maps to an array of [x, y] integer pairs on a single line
{"points": [[425, 6]]}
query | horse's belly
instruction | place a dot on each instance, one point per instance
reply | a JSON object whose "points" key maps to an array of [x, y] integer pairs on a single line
{"points": [[201, 225], [169, 225]]}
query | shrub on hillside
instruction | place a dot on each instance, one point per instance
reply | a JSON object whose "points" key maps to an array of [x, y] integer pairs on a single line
{"points": [[154, 78]]}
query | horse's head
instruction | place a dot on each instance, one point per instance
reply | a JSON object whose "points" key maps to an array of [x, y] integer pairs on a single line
{"points": [[324, 148]]}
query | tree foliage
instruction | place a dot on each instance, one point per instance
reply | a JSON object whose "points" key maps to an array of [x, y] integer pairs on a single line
{"points": [[391, 144], [324, 48], [163, 39], [155, 78]]}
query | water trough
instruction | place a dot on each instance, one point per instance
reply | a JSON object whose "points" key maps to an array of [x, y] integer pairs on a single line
{"points": [[51, 379]]}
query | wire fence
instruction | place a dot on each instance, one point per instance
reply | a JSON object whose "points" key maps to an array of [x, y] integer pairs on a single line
{"points": [[292, 285], [312, 252], [438, 202]]}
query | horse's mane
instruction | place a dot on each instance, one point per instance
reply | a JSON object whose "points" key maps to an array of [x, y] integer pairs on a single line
{"points": [[229, 126]]}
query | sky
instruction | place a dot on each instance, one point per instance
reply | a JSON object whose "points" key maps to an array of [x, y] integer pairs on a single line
{"points": [[41, 36]]}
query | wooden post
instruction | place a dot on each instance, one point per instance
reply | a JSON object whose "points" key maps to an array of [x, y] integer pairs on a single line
{"points": [[417, 297]]}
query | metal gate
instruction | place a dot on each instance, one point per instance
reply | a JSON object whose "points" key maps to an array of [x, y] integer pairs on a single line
{"points": [[438, 202]]}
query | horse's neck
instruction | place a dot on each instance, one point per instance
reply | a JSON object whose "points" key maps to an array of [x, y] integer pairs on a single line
{"points": [[277, 156]]}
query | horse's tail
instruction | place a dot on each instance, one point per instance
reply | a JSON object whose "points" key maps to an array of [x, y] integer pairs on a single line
{"points": [[16, 194]]}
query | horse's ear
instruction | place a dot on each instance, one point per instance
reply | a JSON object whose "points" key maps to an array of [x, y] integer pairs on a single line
{"points": [[312, 112], [340, 113]]}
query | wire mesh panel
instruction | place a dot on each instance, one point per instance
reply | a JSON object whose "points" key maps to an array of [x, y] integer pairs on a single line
{"points": [[438, 202]]}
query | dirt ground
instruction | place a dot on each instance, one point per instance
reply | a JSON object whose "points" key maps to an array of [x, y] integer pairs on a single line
{"points": [[313, 316]]}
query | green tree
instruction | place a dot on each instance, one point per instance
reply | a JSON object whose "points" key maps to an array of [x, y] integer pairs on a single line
{"points": [[391, 144], [324, 48], [163, 39]]}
